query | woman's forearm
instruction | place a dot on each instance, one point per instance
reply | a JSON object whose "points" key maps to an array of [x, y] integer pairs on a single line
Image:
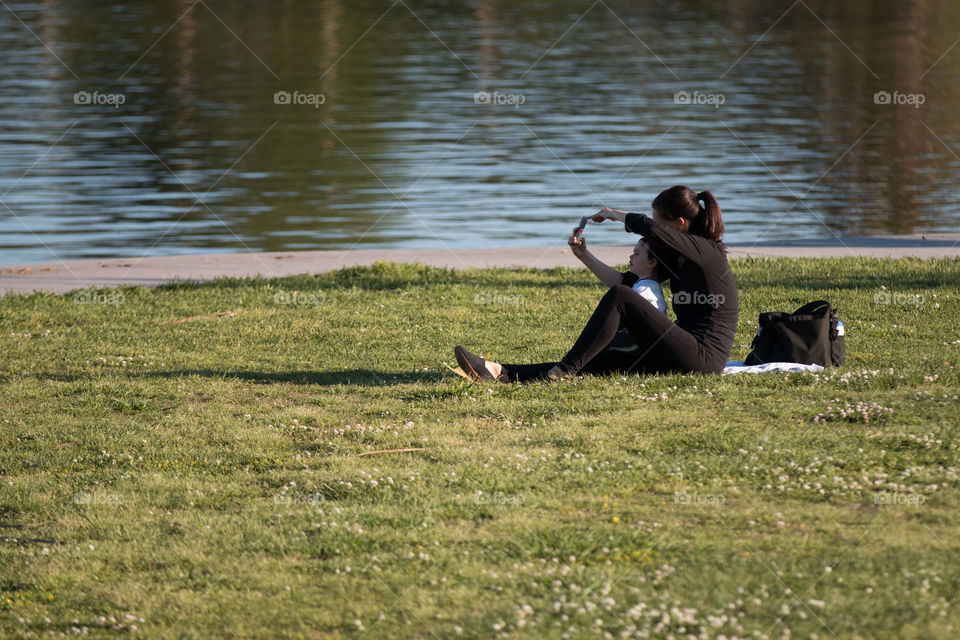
{"points": [[607, 275]]}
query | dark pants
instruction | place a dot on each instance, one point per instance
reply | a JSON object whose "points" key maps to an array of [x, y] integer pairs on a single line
{"points": [[664, 347]]}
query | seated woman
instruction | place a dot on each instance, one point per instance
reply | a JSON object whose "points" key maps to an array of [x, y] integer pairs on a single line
{"points": [[684, 238]]}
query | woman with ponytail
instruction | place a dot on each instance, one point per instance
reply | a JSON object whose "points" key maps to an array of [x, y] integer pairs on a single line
{"points": [[683, 235]]}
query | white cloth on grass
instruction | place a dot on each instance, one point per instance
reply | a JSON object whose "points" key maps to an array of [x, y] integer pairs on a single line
{"points": [[737, 366]]}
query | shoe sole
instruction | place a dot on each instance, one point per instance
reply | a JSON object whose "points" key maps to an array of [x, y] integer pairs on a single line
{"points": [[464, 363]]}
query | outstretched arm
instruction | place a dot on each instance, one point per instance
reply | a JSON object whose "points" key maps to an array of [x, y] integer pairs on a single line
{"points": [[692, 247], [607, 274]]}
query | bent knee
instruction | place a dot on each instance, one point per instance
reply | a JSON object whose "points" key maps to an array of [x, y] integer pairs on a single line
{"points": [[622, 290]]}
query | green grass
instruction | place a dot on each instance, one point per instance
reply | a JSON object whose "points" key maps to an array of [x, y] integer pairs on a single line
{"points": [[201, 478]]}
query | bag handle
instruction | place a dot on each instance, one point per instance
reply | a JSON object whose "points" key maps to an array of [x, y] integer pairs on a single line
{"points": [[812, 306]]}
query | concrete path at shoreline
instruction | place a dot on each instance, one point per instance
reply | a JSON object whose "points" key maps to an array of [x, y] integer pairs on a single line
{"points": [[62, 277]]}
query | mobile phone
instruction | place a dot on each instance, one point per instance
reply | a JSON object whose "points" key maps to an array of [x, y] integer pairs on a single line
{"points": [[578, 231]]}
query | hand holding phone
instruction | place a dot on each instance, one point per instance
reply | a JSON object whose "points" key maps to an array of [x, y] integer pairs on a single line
{"points": [[577, 244], [578, 231]]}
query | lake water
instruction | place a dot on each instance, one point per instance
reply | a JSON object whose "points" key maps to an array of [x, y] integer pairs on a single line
{"points": [[159, 128]]}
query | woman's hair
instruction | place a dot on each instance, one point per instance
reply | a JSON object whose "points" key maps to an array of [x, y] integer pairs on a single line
{"points": [[683, 202]]}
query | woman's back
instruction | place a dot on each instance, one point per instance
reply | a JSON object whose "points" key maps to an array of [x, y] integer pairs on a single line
{"points": [[702, 285]]}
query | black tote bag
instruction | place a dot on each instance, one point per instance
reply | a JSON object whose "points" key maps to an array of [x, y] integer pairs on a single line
{"points": [[809, 335]]}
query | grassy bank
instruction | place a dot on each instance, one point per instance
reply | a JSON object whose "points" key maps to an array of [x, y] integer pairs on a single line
{"points": [[205, 460]]}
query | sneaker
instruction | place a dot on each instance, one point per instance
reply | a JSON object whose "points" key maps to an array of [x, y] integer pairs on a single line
{"points": [[472, 364]]}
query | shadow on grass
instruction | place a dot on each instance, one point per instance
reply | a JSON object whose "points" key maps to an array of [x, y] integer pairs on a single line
{"points": [[366, 377], [791, 273], [323, 378], [391, 276]]}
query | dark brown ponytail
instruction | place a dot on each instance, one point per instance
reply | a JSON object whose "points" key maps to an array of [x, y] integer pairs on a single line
{"points": [[708, 224], [683, 202]]}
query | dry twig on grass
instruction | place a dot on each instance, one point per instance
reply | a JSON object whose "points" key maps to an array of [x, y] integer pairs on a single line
{"points": [[370, 453]]}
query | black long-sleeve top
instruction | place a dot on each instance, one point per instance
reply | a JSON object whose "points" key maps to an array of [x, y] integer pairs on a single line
{"points": [[704, 291]]}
